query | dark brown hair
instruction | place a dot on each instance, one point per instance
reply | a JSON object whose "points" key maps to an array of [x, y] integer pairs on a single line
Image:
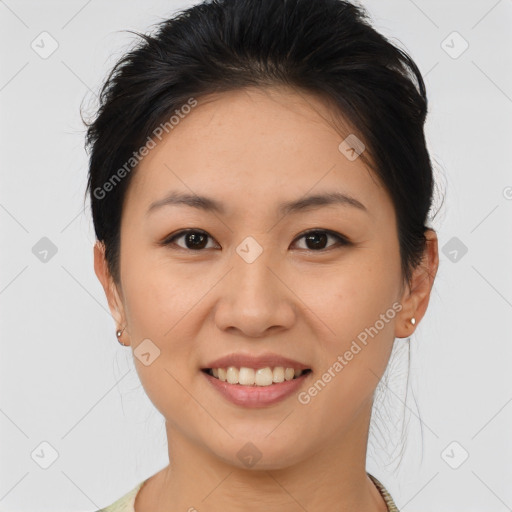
{"points": [[325, 47]]}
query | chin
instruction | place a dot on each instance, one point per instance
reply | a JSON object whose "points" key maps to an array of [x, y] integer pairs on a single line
{"points": [[259, 452]]}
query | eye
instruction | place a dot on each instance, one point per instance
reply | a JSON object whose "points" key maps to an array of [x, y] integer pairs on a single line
{"points": [[196, 240], [318, 237]]}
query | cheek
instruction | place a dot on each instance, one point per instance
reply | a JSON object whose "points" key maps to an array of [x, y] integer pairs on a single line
{"points": [[353, 359], [352, 298], [357, 306], [154, 294], [157, 304], [166, 304]]}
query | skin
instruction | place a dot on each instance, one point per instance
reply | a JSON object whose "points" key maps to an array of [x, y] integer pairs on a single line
{"points": [[262, 146]]}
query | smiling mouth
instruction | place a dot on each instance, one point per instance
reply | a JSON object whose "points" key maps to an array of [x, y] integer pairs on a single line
{"points": [[255, 376]]}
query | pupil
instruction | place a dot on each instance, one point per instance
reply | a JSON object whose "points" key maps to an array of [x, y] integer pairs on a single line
{"points": [[315, 237], [194, 237]]}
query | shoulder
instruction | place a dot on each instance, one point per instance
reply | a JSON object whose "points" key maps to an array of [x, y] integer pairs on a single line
{"points": [[124, 503]]}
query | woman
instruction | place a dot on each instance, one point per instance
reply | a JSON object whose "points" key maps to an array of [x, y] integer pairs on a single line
{"points": [[260, 189]]}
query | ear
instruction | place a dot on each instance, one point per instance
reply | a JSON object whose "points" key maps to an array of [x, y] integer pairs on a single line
{"points": [[416, 295], [115, 303]]}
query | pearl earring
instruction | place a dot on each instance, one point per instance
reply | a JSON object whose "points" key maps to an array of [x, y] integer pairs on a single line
{"points": [[413, 321], [118, 334]]}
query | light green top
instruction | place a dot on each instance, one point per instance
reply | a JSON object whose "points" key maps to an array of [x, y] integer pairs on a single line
{"points": [[126, 502], [385, 494]]}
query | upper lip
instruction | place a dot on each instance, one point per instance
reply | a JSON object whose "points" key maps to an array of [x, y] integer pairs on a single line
{"points": [[251, 361]]}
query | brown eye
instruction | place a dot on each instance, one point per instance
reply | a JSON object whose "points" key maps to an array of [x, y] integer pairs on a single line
{"points": [[194, 240], [316, 240]]}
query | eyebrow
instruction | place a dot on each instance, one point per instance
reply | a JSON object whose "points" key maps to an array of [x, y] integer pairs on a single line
{"points": [[209, 204]]}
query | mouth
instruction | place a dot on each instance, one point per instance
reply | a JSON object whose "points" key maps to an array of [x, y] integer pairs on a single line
{"points": [[256, 387], [256, 377]]}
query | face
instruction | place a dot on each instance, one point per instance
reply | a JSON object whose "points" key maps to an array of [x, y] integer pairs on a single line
{"points": [[318, 284]]}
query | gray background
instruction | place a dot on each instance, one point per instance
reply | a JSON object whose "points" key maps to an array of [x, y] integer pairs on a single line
{"points": [[71, 399]]}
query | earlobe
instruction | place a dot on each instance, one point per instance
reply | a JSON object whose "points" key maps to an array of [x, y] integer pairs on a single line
{"points": [[405, 328]]}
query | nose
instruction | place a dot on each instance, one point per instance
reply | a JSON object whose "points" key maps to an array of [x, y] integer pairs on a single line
{"points": [[255, 298]]}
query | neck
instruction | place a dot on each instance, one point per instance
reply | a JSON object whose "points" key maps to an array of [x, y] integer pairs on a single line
{"points": [[331, 478]]}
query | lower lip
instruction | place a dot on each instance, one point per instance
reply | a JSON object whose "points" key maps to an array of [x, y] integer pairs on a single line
{"points": [[256, 396]]}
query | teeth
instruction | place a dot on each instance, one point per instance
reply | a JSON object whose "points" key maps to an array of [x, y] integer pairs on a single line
{"points": [[232, 375], [246, 376], [263, 377], [278, 374], [255, 377]]}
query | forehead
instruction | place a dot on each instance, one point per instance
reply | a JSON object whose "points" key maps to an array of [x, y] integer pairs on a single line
{"points": [[254, 146]]}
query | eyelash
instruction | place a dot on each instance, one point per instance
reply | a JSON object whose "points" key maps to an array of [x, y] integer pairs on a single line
{"points": [[342, 240]]}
